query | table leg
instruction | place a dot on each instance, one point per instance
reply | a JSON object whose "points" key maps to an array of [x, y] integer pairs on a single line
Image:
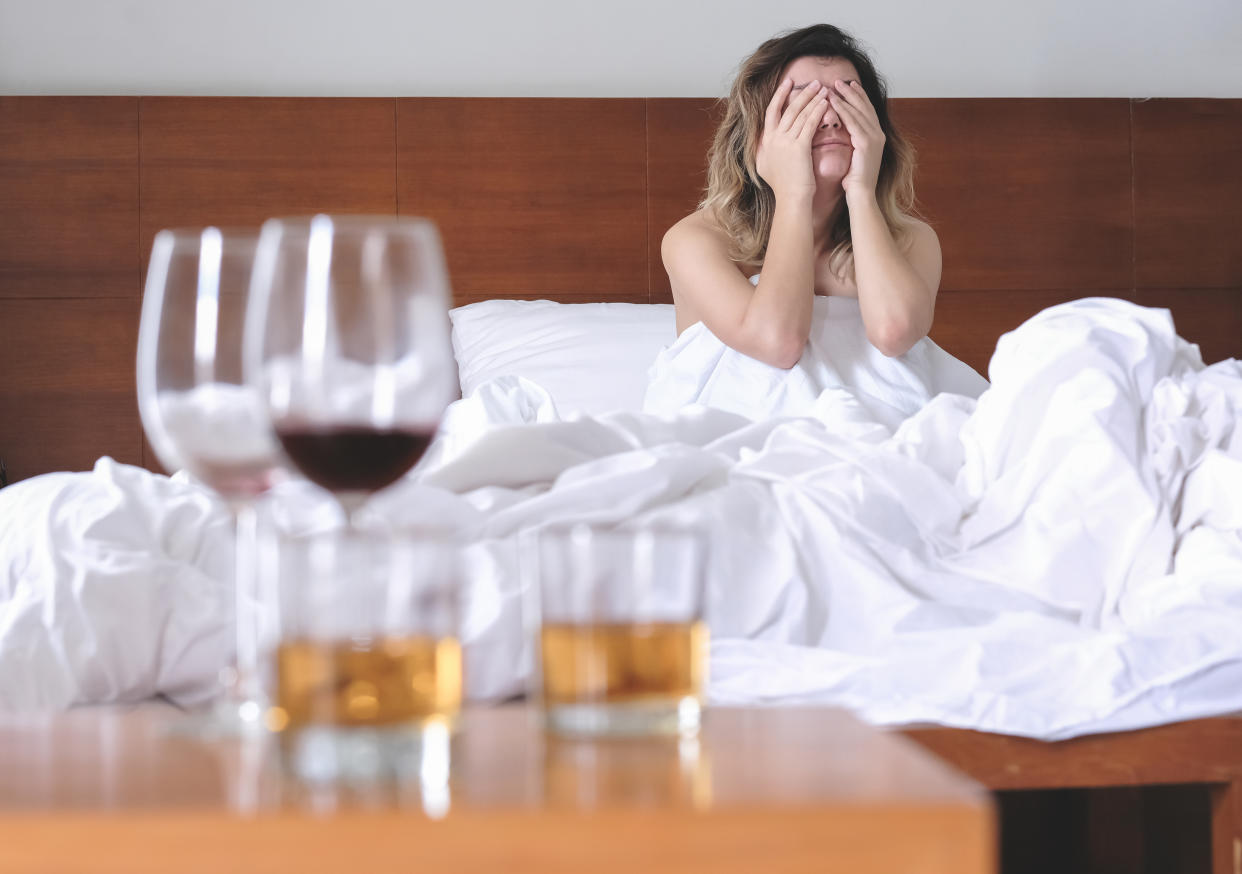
{"points": [[1227, 828]]}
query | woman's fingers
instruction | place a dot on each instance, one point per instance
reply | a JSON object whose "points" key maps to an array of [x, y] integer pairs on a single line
{"points": [[797, 104], [855, 96], [859, 131], [854, 120], [845, 91], [772, 117], [809, 118]]}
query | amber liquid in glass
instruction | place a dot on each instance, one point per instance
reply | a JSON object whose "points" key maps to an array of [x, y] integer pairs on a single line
{"points": [[620, 663], [383, 681]]}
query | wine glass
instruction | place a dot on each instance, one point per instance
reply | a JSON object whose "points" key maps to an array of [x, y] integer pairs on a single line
{"points": [[200, 416], [347, 341]]}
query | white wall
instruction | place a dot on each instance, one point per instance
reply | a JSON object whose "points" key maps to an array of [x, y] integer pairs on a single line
{"points": [[608, 48]]}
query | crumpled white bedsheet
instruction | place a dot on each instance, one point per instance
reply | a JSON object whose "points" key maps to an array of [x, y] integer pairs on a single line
{"points": [[699, 368], [1063, 556]]}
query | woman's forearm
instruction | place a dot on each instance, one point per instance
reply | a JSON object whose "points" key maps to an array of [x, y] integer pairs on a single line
{"points": [[895, 302], [783, 302]]}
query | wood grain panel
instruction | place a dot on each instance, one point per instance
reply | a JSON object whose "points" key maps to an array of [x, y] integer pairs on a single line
{"points": [[68, 196], [239, 161], [679, 133], [68, 391], [1187, 193], [1025, 193], [1211, 317], [968, 323], [534, 197]]}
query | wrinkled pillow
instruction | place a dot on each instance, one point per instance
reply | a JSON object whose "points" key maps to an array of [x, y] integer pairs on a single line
{"points": [[591, 358]]}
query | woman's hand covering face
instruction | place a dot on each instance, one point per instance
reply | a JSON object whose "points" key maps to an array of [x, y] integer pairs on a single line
{"points": [[851, 103], [783, 158]]}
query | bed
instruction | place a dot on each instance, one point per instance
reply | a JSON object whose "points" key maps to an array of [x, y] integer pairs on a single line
{"points": [[1037, 202]]}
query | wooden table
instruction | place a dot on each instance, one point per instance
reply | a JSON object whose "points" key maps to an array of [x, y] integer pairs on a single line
{"points": [[1197, 756], [110, 790]]}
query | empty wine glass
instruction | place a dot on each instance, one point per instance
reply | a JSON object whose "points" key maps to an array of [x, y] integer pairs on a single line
{"points": [[348, 343], [201, 417]]}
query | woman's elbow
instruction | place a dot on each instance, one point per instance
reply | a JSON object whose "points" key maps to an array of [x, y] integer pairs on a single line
{"points": [[894, 338], [775, 348], [783, 350]]}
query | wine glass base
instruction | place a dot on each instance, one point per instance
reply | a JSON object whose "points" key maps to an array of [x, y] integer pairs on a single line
{"points": [[225, 718], [669, 717], [327, 754]]}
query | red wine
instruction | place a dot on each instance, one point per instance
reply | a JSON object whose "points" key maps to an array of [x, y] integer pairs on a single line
{"points": [[352, 458]]}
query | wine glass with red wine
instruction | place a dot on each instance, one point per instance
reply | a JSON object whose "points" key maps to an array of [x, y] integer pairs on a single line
{"points": [[200, 416], [348, 343]]}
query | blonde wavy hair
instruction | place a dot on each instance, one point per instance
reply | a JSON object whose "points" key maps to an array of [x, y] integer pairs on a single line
{"points": [[743, 203]]}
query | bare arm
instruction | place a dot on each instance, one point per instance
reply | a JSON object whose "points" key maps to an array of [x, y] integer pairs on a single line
{"points": [[772, 321], [769, 322], [896, 290]]}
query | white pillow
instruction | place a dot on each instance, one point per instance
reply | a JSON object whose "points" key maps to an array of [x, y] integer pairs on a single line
{"points": [[591, 357]]}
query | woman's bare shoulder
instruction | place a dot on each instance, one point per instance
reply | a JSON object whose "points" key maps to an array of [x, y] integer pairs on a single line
{"points": [[704, 279], [918, 232], [698, 230], [921, 247], [697, 252]]}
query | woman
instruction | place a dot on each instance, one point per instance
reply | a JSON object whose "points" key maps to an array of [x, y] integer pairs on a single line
{"points": [[809, 182]]}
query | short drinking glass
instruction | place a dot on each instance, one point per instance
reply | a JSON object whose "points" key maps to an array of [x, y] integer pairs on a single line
{"points": [[365, 667], [622, 643]]}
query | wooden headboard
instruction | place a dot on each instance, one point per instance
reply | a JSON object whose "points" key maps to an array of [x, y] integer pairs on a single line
{"points": [[1036, 201]]}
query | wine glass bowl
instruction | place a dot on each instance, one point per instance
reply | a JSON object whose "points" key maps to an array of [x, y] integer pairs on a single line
{"points": [[348, 344], [195, 407]]}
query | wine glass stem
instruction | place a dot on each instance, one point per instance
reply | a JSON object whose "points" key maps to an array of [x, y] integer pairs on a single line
{"points": [[351, 505], [245, 621]]}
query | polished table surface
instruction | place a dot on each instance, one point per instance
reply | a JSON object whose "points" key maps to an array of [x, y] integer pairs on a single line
{"points": [[773, 789]]}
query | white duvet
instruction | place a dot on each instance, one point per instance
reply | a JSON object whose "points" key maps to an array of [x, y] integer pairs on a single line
{"points": [[1061, 556], [699, 369]]}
